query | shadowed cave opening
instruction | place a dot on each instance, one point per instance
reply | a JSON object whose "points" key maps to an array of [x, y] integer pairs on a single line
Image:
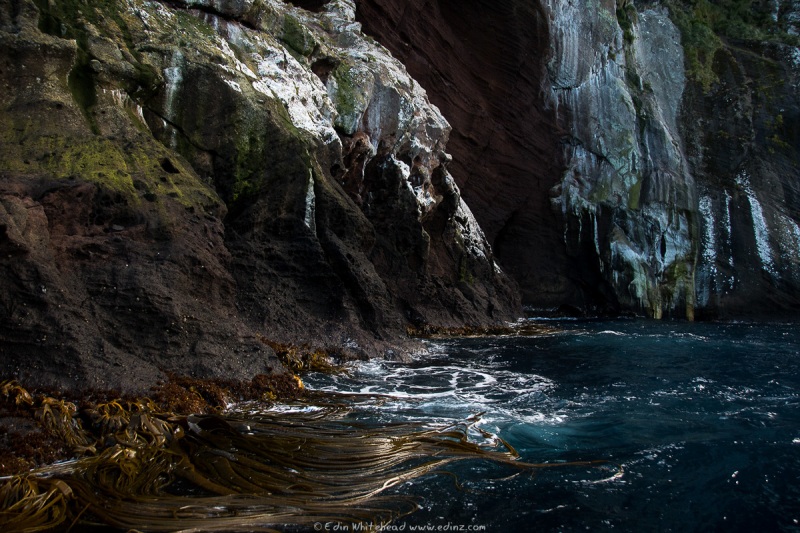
{"points": [[315, 6]]}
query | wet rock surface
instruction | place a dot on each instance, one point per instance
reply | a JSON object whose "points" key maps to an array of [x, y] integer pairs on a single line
{"points": [[745, 152]]}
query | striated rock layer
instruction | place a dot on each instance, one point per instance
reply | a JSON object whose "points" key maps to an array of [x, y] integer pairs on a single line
{"points": [[622, 156], [181, 181]]}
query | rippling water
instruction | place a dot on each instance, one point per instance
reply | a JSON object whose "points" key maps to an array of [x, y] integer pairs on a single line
{"points": [[702, 418]]}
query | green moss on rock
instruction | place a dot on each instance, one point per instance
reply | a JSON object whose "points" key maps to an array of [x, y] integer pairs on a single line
{"points": [[705, 25], [626, 18], [348, 97], [297, 36], [634, 196]]}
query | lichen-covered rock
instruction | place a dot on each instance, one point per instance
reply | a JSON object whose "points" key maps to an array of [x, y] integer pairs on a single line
{"points": [[626, 178], [180, 180], [681, 144]]}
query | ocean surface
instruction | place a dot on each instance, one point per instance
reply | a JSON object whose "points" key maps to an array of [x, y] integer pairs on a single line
{"points": [[699, 425]]}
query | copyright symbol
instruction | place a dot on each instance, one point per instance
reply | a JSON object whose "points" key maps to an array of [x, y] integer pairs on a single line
{"points": [[317, 526]]}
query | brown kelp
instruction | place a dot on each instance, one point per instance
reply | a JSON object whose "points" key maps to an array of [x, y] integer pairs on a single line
{"points": [[139, 467]]}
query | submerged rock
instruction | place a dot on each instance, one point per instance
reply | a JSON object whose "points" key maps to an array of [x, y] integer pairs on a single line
{"points": [[181, 180]]}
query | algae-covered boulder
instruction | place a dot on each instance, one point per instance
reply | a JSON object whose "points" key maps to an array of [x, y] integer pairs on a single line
{"points": [[182, 181]]}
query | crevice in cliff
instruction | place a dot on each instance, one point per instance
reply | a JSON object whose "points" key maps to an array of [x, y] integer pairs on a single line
{"points": [[209, 10], [323, 67], [82, 85], [315, 6], [177, 128]]}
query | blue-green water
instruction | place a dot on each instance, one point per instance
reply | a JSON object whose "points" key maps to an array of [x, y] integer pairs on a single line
{"points": [[704, 420]]}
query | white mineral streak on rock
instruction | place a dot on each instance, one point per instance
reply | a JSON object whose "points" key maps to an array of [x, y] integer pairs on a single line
{"points": [[625, 154], [727, 225], [233, 85], [624, 250], [310, 212], [140, 115], [174, 77], [118, 95], [123, 100], [789, 242], [707, 269], [729, 282], [709, 240], [716, 266], [760, 228]]}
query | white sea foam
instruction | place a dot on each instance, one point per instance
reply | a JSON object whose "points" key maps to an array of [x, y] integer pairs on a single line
{"points": [[448, 392]]}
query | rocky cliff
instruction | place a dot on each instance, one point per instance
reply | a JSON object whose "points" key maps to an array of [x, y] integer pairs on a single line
{"points": [[740, 123], [622, 156], [184, 183]]}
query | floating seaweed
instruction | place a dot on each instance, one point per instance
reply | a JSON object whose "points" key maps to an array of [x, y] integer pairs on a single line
{"points": [[305, 358], [146, 469]]}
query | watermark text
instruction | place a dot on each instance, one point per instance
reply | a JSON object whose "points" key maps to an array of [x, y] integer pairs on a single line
{"points": [[349, 527]]}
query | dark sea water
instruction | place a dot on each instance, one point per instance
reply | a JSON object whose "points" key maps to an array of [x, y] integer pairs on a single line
{"points": [[702, 421]]}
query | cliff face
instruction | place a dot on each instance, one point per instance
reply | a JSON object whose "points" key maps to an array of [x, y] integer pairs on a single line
{"points": [[181, 180], [740, 120], [627, 190], [673, 128]]}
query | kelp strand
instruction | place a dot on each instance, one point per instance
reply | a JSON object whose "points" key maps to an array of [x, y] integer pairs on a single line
{"points": [[148, 470]]}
